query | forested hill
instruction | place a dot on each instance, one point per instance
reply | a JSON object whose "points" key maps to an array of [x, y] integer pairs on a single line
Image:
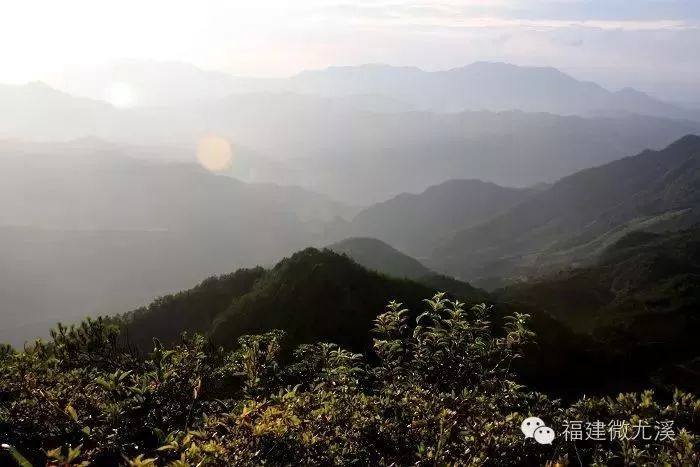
{"points": [[312, 295], [578, 217], [322, 296], [376, 255], [642, 275], [640, 298]]}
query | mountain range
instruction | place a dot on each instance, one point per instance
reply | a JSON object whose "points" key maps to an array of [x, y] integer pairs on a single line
{"points": [[489, 86], [82, 223], [86, 229], [356, 156], [357, 134], [415, 181], [415, 223], [576, 218], [363, 157]]}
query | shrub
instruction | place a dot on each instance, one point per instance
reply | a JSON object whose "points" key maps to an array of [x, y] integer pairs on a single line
{"points": [[438, 390]]}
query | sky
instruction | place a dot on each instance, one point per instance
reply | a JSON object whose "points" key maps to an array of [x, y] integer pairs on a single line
{"points": [[649, 44]]}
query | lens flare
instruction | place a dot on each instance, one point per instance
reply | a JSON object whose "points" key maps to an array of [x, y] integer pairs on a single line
{"points": [[214, 153]]}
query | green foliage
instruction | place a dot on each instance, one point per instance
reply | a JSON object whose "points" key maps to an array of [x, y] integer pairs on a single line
{"points": [[321, 296], [438, 388], [192, 310], [579, 216], [6, 351], [314, 295], [640, 300], [19, 459]]}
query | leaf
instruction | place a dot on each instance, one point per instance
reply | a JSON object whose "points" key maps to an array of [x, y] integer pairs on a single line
{"points": [[102, 382], [73, 454], [19, 458], [71, 412]]}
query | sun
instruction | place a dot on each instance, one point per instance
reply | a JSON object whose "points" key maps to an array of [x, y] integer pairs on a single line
{"points": [[121, 95]]}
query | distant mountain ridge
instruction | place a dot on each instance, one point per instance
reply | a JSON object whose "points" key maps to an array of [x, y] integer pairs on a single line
{"points": [[418, 222], [39, 112], [376, 255], [363, 157], [492, 86], [577, 217], [85, 229], [329, 144]]}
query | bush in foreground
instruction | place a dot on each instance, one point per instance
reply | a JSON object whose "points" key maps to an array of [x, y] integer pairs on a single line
{"points": [[437, 390]]}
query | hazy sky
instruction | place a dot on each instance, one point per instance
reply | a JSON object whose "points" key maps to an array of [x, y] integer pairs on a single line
{"points": [[647, 43]]}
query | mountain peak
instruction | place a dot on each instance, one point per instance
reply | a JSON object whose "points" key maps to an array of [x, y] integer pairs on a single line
{"points": [[687, 142], [503, 67], [377, 255]]}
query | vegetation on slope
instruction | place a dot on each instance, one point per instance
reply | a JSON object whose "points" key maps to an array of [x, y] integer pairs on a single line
{"points": [[576, 218], [437, 390], [322, 296], [312, 295], [640, 298], [192, 310]]}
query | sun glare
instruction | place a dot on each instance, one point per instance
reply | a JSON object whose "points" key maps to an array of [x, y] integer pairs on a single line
{"points": [[121, 95], [214, 153]]}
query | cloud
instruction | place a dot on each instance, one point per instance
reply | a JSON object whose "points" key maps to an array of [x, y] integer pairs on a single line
{"points": [[540, 24], [611, 10], [607, 14]]}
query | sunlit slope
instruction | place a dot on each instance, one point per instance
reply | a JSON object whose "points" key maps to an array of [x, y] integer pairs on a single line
{"points": [[579, 216]]}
